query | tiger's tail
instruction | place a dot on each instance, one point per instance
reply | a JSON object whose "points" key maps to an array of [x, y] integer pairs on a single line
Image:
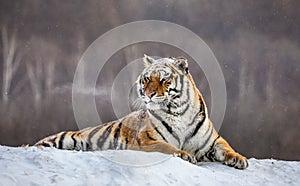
{"points": [[69, 140]]}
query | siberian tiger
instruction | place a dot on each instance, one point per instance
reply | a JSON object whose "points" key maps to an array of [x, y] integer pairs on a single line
{"points": [[174, 120]]}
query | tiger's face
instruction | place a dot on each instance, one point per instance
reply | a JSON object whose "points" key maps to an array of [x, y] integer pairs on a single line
{"points": [[157, 85]]}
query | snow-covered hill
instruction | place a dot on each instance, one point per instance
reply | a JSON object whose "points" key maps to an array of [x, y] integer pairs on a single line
{"points": [[33, 166]]}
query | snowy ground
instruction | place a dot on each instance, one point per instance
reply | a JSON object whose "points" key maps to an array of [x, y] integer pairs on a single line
{"points": [[33, 166]]}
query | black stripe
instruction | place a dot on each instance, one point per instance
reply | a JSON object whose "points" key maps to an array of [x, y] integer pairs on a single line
{"points": [[176, 84], [176, 89], [138, 141], [117, 134], [179, 107], [170, 105], [156, 129], [87, 146], [173, 69], [205, 143], [201, 158], [210, 154], [199, 124], [45, 144], [176, 96], [182, 103], [211, 147], [169, 108], [198, 114], [208, 129], [173, 89], [82, 146], [181, 83], [166, 125], [74, 140], [126, 142], [104, 136], [53, 142], [141, 92], [93, 132], [61, 140], [149, 136]]}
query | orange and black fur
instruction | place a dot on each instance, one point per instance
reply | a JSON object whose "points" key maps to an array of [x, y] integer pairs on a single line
{"points": [[174, 120]]}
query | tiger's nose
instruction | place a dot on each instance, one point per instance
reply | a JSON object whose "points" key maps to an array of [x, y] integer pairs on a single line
{"points": [[150, 94]]}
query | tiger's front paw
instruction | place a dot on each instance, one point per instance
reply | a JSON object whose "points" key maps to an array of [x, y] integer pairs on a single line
{"points": [[235, 160], [186, 156]]}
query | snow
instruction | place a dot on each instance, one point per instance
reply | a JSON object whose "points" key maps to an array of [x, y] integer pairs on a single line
{"points": [[34, 166]]}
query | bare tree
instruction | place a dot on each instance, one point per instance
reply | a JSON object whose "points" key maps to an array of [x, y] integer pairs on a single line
{"points": [[49, 67], [34, 71], [41, 68], [11, 60]]}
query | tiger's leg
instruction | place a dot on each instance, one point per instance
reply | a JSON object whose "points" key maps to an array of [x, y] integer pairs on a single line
{"points": [[163, 147], [77, 141], [221, 151]]}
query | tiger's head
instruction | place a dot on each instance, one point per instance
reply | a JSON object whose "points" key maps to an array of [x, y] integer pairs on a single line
{"points": [[160, 83]]}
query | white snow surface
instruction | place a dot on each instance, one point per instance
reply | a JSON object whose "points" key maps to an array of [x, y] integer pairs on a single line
{"points": [[48, 166]]}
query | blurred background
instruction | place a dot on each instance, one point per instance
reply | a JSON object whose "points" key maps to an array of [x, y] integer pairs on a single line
{"points": [[257, 45]]}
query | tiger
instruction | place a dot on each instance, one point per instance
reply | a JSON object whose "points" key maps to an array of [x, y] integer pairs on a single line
{"points": [[173, 119]]}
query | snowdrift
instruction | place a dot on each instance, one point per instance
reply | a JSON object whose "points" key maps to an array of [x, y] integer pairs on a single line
{"points": [[33, 166]]}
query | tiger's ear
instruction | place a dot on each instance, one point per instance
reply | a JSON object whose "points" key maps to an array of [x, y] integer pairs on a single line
{"points": [[182, 64], [148, 60]]}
